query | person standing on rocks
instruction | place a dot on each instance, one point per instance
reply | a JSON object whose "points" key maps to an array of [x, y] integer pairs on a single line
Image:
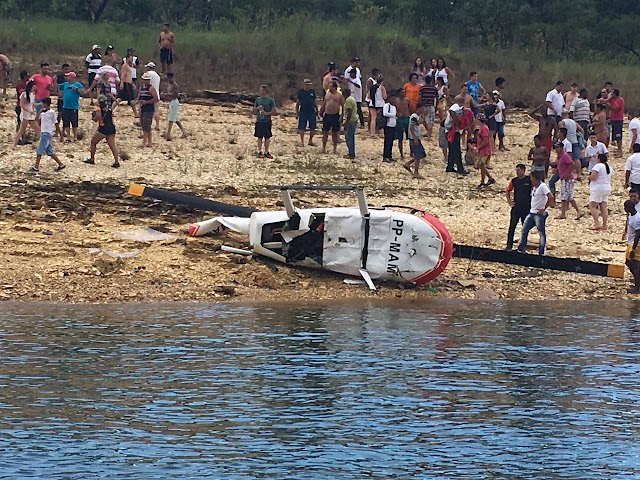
{"points": [[167, 42], [350, 122], [555, 102], [307, 111], [580, 109], [127, 91], [415, 143], [148, 96], [403, 112], [264, 108], [355, 85], [484, 150], [518, 194], [43, 84], [92, 63], [103, 115], [171, 94], [428, 97], [616, 116], [541, 200], [564, 167], [155, 83], [539, 157], [389, 113], [330, 113], [71, 92]]}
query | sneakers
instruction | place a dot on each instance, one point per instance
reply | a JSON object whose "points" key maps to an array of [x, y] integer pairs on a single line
{"points": [[89, 161], [481, 186], [34, 169], [268, 155], [260, 155]]}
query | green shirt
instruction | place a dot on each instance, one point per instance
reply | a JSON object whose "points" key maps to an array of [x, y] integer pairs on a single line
{"points": [[350, 104], [268, 104]]}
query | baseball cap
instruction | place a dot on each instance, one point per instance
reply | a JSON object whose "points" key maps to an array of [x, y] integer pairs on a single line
{"points": [[355, 59], [70, 74], [95, 46], [455, 108], [150, 65], [307, 81]]}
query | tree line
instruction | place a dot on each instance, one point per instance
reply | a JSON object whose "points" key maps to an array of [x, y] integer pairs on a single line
{"points": [[569, 29]]}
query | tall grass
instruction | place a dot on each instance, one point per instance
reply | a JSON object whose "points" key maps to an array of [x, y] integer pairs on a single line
{"points": [[242, 57]]}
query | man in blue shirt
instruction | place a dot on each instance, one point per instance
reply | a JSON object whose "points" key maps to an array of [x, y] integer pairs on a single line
{"points": [[71, 92], [474, 87]]}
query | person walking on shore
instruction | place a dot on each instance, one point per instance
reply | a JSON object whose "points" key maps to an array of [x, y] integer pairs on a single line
{"points": [[564, 167], [27, 112], [453, 131], [171, 93], [331, 119], [167, 42], [92, 63], [541, 200], [593, 149], [518, 194], [264, 108], [428, 97], [484, 150], [307, 111], [48, 120], [148, 97], [103, 115], [415, 143], [350, 122]]}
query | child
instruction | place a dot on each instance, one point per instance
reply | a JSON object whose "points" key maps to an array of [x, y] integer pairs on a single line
{"points": [[48, 120], [415, 145]]}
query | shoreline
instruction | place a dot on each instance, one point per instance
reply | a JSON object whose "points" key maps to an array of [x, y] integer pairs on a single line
{"points": [[52, 222]]}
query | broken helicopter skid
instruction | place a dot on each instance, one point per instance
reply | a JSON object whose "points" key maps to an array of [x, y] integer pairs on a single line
{"points": [[410, 246]]}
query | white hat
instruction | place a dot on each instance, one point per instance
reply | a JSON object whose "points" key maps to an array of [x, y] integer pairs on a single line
{"points": [[455, 108], [150, 65], [95, 46]]}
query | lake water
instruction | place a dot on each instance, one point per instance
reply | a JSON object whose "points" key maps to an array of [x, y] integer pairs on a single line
{"points": [[433, 390]]}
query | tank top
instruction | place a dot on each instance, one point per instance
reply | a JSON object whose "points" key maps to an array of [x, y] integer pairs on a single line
{"points": [[145, 96], [445, 76], [441, 92]]}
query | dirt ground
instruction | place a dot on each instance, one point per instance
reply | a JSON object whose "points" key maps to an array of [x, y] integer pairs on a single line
{"points": [[55, 227]]}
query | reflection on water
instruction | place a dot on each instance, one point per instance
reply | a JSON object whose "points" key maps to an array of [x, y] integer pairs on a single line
{"points": [[429, 390]]}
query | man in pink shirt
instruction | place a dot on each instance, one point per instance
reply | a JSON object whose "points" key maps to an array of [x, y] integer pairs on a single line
{"points": [[565, 166], [43, 86], [484, 149], [616, 115]]}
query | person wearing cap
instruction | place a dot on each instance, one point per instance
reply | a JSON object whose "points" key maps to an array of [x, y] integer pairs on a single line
{"points": [[59, 80], [483, 150], [307, 111], [155, 82], [354, 65], [71, 92], [92, 63], [453, 126], [171, 94], [541, 200], [167, 43], [264, 108], [148, 96], [564, 167], [43, 86]]}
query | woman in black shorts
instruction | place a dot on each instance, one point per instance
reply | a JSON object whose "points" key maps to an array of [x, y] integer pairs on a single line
{"points": [[103, 114]]}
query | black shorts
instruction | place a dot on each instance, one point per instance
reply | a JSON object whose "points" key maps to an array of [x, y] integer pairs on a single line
{"points": [[263, 130], [331, 122], [107, 130], [146, 119], [166, 56], [69, 118], [92, 76], [127, 93], [60, 103], [616, 129]]}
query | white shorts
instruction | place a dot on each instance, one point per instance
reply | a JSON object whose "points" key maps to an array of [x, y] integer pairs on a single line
{"points": [[599, 196], [174, 105]]}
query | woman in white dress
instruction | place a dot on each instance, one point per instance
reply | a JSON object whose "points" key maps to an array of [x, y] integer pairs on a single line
{"points": [[599, 190]]}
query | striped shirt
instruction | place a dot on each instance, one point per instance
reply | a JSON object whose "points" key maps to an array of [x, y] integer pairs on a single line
{"points": [[581, 109], [428, 95]]}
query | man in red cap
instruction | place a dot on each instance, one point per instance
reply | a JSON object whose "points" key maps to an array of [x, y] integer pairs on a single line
{"points": [[71, 92]]}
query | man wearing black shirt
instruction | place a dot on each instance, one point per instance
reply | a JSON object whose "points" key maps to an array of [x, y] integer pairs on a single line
{"points": [[519, 198], [306, 111]]}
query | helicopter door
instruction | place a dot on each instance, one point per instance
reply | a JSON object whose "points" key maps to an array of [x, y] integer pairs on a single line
{"points": [[343, 241]]}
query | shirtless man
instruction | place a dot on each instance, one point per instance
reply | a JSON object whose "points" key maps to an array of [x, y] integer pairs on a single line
{"points": [[469, 102], [127, 92], [5, 72], [570, 96], [546, 126], [330, 112], [167, 42], [327, 79], [539, 157], [403, 112]]}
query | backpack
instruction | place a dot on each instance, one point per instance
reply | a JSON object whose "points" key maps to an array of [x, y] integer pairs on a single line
{"points": [[372, 94], [381, 120]]}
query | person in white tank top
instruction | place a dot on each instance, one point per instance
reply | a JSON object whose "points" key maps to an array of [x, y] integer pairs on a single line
{"points": [[444, 71]]}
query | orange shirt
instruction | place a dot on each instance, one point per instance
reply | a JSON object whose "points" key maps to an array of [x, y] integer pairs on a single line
{"points": [[412, 93]]}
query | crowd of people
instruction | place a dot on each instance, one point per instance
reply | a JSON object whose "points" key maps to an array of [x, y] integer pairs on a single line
{"points": [[575, 128], [111, 81]]}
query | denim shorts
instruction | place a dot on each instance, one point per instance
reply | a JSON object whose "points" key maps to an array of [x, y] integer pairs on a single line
{"points": [[44, 145]]}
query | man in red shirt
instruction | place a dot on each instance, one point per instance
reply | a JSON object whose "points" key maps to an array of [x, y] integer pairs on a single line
{"points": [[564, 165], [616, 115], [43, 86], [484, 150]]}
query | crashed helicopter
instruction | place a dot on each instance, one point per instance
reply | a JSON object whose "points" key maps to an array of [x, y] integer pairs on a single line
{"points": [[389, 243]]}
